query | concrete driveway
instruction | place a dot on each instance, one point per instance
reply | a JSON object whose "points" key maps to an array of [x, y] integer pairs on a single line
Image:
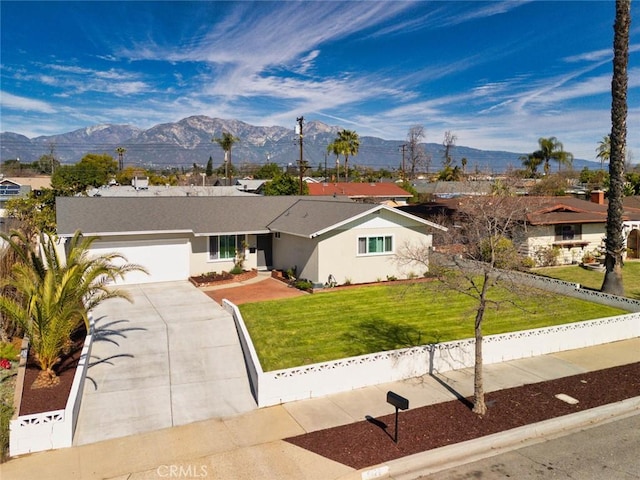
{"points": [[170, 358]]}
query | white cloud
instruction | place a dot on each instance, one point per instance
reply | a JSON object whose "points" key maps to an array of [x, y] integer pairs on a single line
{"points": [[15, 102]]}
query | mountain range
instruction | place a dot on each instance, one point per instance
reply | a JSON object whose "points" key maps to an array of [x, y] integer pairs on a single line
{"points": [[190, 141]]}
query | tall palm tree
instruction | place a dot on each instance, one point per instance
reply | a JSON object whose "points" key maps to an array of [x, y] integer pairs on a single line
{"points": [[226, 142], [121, 151], [614, 242], [604, 150], [552, 149], [336, 148], [53, 296], [348, 143]]}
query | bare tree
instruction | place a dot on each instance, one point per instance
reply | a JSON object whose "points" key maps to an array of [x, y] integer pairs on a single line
{"points": [[479, 260], [417, 157], [615, 241], [448, 143]]}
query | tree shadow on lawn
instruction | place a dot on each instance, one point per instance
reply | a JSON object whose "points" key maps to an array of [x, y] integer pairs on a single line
{"points": [[378, 335]]}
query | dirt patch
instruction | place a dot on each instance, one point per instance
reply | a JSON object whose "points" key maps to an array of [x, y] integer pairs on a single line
{"points": [[368, 443], [55, 398]]}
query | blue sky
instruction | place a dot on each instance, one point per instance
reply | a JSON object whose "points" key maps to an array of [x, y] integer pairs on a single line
{"points": [[497, 74]]}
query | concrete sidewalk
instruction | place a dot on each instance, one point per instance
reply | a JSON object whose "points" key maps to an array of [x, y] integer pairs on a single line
{"points": [[250, 446]]}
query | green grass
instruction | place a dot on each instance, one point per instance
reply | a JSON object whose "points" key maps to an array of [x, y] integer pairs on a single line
{"points": [[343, 323], [593, 279]]}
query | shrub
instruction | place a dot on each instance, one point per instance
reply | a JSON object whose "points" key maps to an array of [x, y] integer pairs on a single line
{"points": [[303, 284], [528, 262], [547, 256], [236, 270], [290, 273], [502, 250], [6, 412], [9, 351]]}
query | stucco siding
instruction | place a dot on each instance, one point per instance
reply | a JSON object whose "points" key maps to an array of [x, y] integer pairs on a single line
{"points": [[339, 255], [341, 259], [291, 251], [543, 236]]}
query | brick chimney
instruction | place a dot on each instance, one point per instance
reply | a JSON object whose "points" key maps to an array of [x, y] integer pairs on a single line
{"points": [[597, 196]]}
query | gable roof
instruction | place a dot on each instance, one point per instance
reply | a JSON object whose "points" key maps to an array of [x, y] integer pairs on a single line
{"points": [[358, 190], [303, 216], [312, 218], [548, 210]]}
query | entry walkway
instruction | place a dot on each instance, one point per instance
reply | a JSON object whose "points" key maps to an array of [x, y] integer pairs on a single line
{"points": [[170, 358]]}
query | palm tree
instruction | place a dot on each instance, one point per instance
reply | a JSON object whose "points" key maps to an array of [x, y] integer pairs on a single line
{"points": [[226, 142], [604, 150], [121, 151], [347, 143], [53, 297], [614, 242], [552, 149], [531, 162], [336, 148]]}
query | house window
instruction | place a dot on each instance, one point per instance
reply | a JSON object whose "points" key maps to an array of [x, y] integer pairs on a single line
{"points": [[375, 245], [9, 189], [223, 247], [568, 232]]}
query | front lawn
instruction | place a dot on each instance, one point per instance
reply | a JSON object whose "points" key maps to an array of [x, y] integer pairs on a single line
{"points": [[356, 321], [593, 279]]}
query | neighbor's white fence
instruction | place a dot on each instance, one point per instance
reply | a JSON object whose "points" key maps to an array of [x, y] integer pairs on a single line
{"points": [[55, 429], [309, 381], [549, 284]]}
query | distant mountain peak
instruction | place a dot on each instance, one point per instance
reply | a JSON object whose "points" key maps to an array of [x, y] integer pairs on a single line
{"points": [[189, 141]]}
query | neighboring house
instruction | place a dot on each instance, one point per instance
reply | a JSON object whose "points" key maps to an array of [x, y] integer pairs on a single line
{"points": [[251, 186], [167, 191], [178, 237], [570, 226], [440, 189], [10, 190], [362, 192], [632, 226], [18, 187]]}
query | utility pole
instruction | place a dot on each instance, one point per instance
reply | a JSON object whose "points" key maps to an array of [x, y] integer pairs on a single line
{"points": [[302, 165], [403, 147]]}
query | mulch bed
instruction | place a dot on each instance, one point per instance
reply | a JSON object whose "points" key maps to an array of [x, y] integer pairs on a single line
{"points": [[370, 442], [222, 278], [38, 400]]}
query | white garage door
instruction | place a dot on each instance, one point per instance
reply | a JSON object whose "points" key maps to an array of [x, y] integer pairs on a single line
{"points": [[165, 260]]}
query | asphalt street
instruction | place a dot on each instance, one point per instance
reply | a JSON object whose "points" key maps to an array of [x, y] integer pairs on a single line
{"points": [[609, 451]]}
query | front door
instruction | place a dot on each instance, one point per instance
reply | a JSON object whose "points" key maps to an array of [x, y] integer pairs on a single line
{"points": [[265, 259]]}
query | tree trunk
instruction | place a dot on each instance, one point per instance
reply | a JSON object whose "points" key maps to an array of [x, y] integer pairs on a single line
{"points": [[479, 405], [615, 241]]}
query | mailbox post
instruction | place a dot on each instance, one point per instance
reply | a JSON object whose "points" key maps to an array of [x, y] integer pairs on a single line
{"points": [[400, 403]]}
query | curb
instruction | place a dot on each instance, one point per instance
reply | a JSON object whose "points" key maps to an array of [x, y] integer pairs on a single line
{"points": [[443, 458]]}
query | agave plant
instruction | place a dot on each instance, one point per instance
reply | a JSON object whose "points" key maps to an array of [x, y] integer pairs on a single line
{"points": [[54, 296]]}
